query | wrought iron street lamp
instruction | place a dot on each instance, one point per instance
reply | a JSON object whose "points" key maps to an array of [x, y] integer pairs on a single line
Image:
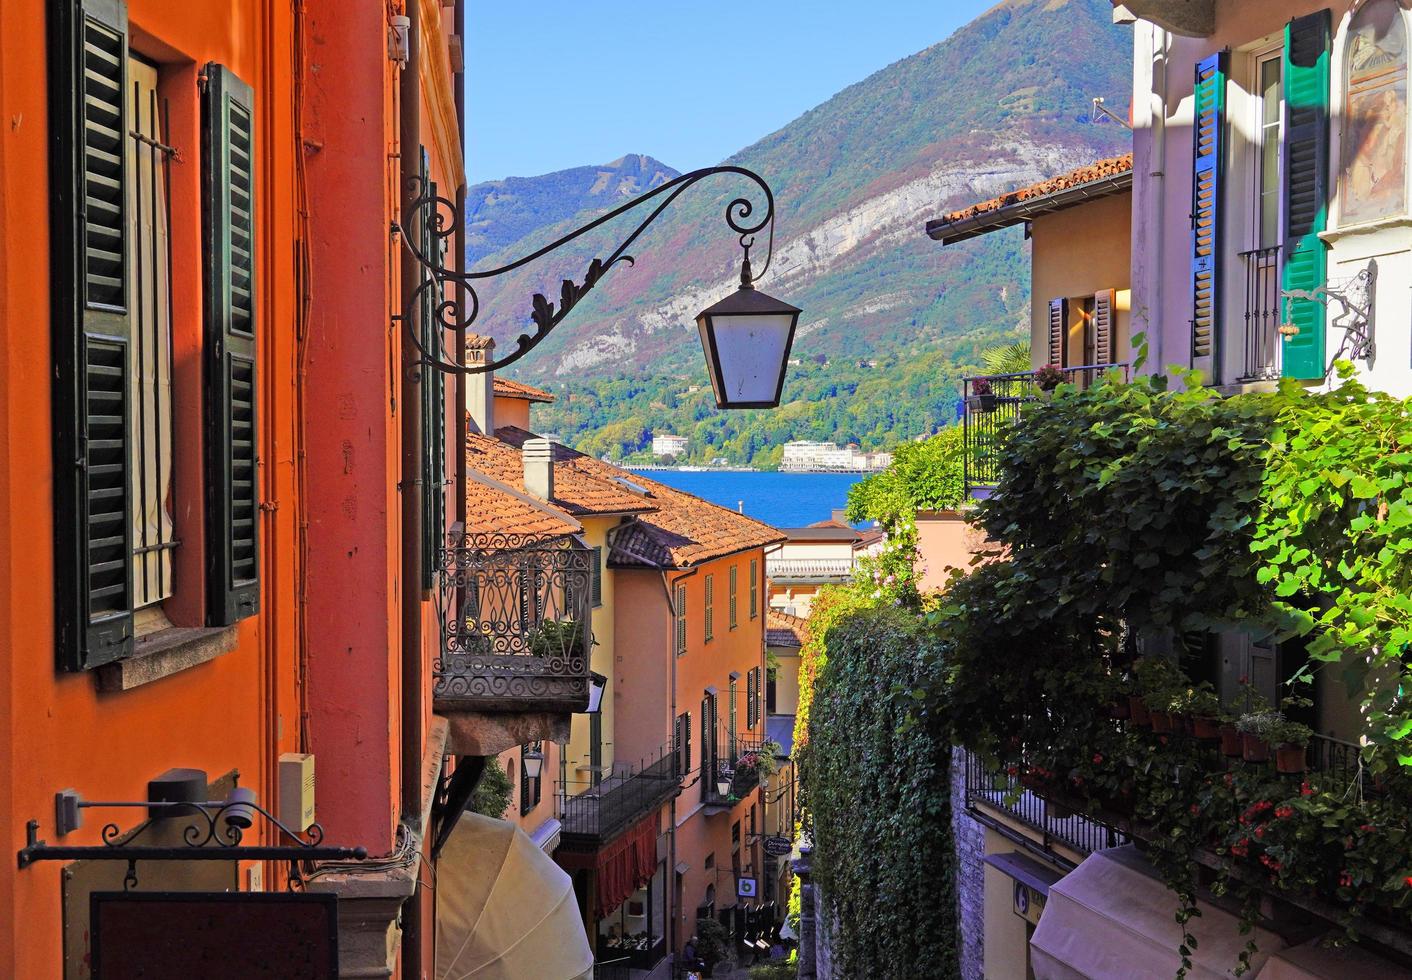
{"points": [[533, 761], [723, 785], [746, 337], [597, 684]]}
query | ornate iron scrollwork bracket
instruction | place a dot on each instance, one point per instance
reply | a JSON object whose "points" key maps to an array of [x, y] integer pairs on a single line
{"points": [[218, 838], [1356, 299], [438, 218]]}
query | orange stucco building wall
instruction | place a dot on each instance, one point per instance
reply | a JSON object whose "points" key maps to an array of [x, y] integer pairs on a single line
{"points": [[238, 711]]}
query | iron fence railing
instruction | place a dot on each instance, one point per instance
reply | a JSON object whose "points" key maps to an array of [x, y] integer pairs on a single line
{"points": [[605, 809], [999, 791], [618, 969], [1339, 762], [991, 406], [1261, 346], [733, 761], [514, 615]]}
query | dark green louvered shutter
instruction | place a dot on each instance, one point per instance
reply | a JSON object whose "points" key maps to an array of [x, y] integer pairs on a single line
{"points": [[1208, 150], [433, 384], [228, 239], [1306, 172], [91, 331], [1057, 346]]}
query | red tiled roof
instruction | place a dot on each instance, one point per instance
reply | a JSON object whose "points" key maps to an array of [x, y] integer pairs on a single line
{"points": [[677, 530], [493, 508], [785, 630], [505, 388], [575, 493], [1111, 167]]}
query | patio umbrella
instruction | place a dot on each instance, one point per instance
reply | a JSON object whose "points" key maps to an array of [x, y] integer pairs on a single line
{"points": [[504, 909]]}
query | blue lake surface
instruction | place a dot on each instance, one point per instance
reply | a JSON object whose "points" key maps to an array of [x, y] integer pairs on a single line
{"points": [[781, 499]]}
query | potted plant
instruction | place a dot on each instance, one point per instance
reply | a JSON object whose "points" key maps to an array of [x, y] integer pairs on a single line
{"points": [[1204, 706], [1291, 742], [1048, 378], [1120, 702], [1156, 678], [1255, 731], [982, 398], [711, 946], [1230, 739], [558, 638]]}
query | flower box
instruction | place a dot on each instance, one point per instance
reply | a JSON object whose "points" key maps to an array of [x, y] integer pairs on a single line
{"points": [[1253, 748], [1291, 758]]}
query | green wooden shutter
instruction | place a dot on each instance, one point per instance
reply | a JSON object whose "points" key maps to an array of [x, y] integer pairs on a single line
{"points": [[710, 607], [433, 385], [754, 587], [1207, 190], [597, 583], [91, 331], [1306, 174], [228, 237], [734, 588]]}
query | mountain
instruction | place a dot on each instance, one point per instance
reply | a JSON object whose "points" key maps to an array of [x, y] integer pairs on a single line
{"points": [[891, 319], [501, 212]]}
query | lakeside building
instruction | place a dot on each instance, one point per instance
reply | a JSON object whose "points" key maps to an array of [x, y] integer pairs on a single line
{"points": [[222, 516], [653, 803], [824, 553], [803, 456], [1255, 181], [668, 445]]}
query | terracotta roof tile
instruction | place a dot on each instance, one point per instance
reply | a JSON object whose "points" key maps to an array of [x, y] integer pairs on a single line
{"points": [[1100, 170], [505, 388], [574, 493], [679, 530], [785, 630], [493, 508]]}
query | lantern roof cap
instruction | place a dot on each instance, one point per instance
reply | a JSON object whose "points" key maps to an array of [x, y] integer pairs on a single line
{"points": [[746, 301]]}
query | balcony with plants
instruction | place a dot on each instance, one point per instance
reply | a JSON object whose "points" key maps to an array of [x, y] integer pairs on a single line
{"points": [[739, 764], [991, 402], [514, 615], [1129, 519]]}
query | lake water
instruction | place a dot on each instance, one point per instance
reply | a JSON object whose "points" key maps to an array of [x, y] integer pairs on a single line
{"points": [[781, 499]]}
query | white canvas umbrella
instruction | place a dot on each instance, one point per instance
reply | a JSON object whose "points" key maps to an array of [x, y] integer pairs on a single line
{"points": [[504, 909]]}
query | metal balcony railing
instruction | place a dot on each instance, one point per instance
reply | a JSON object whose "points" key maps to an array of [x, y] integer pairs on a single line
{"points": [[840, 569], [990, 410], [998, 791], [514, 615], [732, 761], [1261, 347], [597, 813]]}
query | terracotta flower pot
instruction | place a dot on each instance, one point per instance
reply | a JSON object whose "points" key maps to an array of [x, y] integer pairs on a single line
{"points": [[1181, 723], [1290, 758], [1253, 748], [1138, 707], [1161, 721], [1206, 729], [1230, 741], [1120, 710]]}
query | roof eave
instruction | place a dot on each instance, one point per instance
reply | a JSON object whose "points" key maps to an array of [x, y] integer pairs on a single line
{"points": [[1018, 212]]}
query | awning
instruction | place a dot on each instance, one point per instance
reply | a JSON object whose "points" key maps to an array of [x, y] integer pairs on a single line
{"points": [[620, 867], [504, 910], [546, 835], [1313, 961], [1111, 918]]}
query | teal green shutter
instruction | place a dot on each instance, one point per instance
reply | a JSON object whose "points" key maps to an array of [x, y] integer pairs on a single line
{"points": [[228, 240], [1208, 149], [91, 330], [1306, 174]]}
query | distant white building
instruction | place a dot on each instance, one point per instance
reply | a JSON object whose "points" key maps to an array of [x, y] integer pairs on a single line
{"points": [[804, 455], [668, 445]]}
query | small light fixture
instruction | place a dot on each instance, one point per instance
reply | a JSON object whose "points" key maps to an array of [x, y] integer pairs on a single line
{"points": [[723, 786], [238, 807], [597, 684], [746, 338], [534, 763]]}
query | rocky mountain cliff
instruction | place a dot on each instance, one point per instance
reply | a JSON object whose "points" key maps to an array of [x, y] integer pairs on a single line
{"points": [[1003, 102]]}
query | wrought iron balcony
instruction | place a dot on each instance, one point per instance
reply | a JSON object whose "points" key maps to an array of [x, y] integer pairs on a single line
{"points": [[999, 792], [595, 814], [732, 762], [990, 407], [515, 624]]}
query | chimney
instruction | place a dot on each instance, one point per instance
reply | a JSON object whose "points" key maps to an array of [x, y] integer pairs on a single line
{"points": [[539, 468], [480, 388], [840, 516]]}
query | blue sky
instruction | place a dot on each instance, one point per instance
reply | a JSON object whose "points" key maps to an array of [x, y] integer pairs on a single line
{"points": [[552, 84]]}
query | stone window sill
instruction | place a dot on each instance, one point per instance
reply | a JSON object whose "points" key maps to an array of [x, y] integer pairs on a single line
{"points": [[164, 653], [1247, 388]]}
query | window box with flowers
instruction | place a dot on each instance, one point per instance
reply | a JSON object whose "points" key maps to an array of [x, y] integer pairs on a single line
{"points": [[982, 398]]}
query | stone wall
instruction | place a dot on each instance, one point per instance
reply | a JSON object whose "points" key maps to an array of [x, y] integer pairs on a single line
{"points": [[969, 838]]}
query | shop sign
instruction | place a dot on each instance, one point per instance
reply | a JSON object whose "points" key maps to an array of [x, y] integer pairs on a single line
{"points": [[778, 846], [1029, 902]]}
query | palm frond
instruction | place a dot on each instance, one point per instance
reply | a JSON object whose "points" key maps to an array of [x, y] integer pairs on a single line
{"points": [[1007, 358]]}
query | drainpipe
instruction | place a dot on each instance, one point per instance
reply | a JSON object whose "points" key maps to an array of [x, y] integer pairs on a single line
{"points": [[409, 139], [1157, 101]]}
